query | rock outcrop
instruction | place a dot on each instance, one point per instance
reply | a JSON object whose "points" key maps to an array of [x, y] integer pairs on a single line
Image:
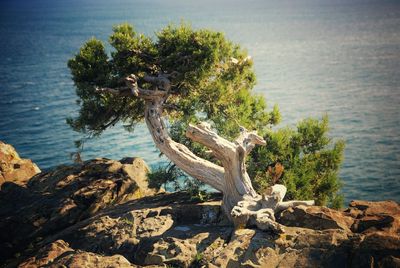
{"points": [[55, 200], [372, 230], [102, 214], [375, 217], [317, 218], [13, 168], [169, 230], [59, 254]]}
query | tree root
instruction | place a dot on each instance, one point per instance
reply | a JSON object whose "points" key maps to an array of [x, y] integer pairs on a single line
{"points": [[261, 210]]}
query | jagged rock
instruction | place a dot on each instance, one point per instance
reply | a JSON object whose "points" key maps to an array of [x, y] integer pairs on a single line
{"points": [[154, 231], [372, 217], [54, 200], [184, 245], [89, 216], [377, 250], [139, 230], [361, 217], [59, 254], [236, 248], [314, 217], [301, 247], [136, 168], [47, 254], [13, 168], [378, 222]]}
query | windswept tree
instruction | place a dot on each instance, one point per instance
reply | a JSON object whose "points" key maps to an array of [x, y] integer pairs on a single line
{"points": [[196, 85]]}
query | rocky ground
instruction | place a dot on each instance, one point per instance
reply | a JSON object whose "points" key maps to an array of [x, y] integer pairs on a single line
{"points": [[102, 214]]}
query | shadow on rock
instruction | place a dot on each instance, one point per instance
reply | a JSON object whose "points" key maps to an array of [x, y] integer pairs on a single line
{"points": [[55, 200], [102, 214]]}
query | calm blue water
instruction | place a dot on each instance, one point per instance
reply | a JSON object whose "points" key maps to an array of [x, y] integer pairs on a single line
{"points": [[311, 58]]}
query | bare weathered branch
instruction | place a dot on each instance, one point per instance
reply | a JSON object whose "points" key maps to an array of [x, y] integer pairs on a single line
{"points": [[131, 82], [249, 139], [203, 134]]}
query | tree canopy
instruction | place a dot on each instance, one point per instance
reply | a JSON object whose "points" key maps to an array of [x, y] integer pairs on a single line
{"points": [[211, 80]]}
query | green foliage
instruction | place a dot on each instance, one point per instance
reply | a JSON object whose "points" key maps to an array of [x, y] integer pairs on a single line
{"points": [[213, 83], [310, 162], [164, 175], [169, 177], [195, 189], [91, 68], [198, 261], [127, 221]]}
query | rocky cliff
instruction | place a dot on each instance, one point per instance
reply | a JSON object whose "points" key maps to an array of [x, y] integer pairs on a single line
{"points": [[102, 214]]}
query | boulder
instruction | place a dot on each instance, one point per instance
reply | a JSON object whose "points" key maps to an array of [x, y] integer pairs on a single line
{"points": [[377, 250], [13, 168], [233, 252], [315, 217], [372, 229], [54, 200], [372, 217]]}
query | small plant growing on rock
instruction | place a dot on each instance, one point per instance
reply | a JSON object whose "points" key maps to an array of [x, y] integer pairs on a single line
{"points": [[198, 261]]}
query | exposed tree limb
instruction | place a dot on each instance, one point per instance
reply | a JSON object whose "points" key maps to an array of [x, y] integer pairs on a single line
{"points": [[249, 139], [203, 134]]}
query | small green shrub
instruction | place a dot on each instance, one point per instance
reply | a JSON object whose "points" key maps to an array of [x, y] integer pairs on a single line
{"points": [[172, 178], [310, 160]]}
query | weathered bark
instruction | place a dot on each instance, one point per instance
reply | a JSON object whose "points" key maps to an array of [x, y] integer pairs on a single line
{"points": [[193, 165], [241, 203], [261, 210], [232, 156]]}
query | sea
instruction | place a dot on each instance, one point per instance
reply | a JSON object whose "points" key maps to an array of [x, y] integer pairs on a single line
{"points": [[312, 57]]}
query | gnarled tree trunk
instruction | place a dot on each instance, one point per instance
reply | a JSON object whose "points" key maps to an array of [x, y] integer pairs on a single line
{"points": [[241, 203]]}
